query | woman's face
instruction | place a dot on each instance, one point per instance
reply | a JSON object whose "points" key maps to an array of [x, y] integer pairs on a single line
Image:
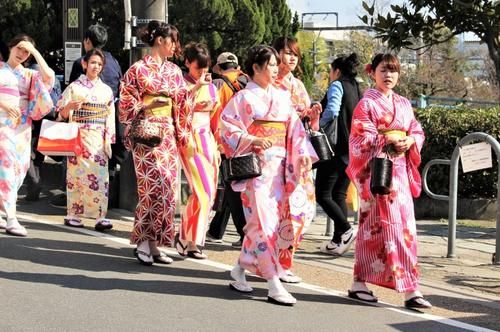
{"points": [[166, 47], [385, 79], [194, 70], [93, 67], [289, 60], [334, 74], [18, 55], [267, 73]]}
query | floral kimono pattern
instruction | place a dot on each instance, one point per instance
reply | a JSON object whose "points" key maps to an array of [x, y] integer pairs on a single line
{"points": [[201, 165], [87, 177], [156, 168], [386, 245], [281, 200], [23, 87], [301, 103], [299, 96]]}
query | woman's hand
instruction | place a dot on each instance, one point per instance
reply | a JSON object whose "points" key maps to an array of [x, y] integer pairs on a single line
{"points": [[404, 144], [14, 112], [305, 163], [316, 110], [72, 105], [261, 143], [27, 46]]}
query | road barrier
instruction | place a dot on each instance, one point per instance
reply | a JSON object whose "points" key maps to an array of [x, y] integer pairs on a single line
{"points": [[452, 198]]}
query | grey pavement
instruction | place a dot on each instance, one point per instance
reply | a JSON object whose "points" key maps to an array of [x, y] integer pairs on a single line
{"points": [[60, 279]]}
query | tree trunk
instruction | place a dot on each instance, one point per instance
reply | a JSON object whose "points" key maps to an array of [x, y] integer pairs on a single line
{"points": [[494, 51]]}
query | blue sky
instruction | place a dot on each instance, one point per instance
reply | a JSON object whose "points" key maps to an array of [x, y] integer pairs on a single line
{"points": [[347, 10]]}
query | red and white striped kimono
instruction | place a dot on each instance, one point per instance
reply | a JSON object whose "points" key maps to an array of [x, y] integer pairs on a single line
{"points": [[386, 245], [156, 168]]}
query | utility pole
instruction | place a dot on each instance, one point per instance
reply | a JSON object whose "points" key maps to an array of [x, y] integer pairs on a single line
{"points": [[74, 26]]}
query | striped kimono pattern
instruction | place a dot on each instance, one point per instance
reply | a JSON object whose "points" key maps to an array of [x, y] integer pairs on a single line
{"points": [[386, 245], [200, 162]]}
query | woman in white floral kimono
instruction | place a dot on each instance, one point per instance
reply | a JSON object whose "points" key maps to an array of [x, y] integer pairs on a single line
{"points": [[260, 118], [24, 96], [89, 102]]}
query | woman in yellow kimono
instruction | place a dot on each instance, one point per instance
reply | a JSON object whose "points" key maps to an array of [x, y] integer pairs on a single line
{"points": [[90, 103], [200, 157]]}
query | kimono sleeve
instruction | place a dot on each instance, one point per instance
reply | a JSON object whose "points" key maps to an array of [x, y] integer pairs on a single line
{"points": [[183, 108], [130, 99], [364, 143], [39, 100], [235, 119], [110, 130], [65, 98]]}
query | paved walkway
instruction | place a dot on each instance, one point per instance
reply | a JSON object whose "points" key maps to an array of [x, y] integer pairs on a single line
{"points": [[465, 289]]}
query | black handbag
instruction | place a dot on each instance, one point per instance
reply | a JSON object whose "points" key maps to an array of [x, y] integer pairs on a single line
{"points": [[241, 168], [381, 175], [319, 142], [331, 132]]}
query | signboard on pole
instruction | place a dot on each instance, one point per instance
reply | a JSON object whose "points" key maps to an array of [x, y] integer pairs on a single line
{"points": [[72, 52], [475, 156]]}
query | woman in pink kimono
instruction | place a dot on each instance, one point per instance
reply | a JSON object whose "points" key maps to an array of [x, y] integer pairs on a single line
{"points": [[200, 157], [24, 96], [89, 102], [386, 246], [261, 118], [155, 88], [289, 55]]}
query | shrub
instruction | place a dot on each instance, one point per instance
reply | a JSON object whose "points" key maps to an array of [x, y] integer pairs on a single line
{"points": [[443, 128]]}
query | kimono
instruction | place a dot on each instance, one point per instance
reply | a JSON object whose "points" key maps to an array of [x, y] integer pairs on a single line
{"points": [[87, 177], [200, 162], [386, 245], [23, 87], [301, 103], [156, 168], [281, 201], [299, 96]]}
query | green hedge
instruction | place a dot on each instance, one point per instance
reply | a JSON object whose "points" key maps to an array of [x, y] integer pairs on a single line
{"points": [[443, 128]]}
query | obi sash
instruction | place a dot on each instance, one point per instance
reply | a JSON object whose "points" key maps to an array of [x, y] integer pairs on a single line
{"points": [[272, 130], [163, 111], [398, 134], [92, 113]]}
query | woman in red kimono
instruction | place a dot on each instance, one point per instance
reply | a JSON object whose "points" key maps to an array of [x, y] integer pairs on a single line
{"points": [[155, 88], [386, 247]]}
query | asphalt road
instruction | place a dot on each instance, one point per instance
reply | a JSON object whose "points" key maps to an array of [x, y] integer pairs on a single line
{"points": [[59, 279]]}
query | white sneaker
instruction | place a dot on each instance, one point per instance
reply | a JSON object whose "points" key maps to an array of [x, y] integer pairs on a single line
{"points": [[210, 239], [340, 248], [3, 223]]}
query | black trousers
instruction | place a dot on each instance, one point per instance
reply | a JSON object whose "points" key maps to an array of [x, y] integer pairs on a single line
{"points": [[231, 205], [331, 192]]}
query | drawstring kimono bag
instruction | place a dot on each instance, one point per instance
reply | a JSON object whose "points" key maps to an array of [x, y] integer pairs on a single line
{"points": [[381, 175], [319, 142]]}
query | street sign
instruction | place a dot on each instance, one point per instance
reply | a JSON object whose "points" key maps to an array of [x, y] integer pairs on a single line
{"points": [[72, 17], [72, 52]]}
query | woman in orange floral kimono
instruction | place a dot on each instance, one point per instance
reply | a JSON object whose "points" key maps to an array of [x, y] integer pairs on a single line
{"points": [[155, 88], [386, 246], [289, 54]]}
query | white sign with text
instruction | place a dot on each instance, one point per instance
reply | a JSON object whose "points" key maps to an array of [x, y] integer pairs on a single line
{"points": [[72, 52], [475, 156]]}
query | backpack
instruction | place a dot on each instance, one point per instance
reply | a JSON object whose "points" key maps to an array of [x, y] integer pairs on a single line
{"points": [[240, 83]]}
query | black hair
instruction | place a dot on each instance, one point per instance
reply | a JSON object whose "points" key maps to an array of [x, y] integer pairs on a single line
{"points": [[259, 55], [155, 29], [391, 61], [19, 38], [95, 51], [348, 65], [4, 51], [197, 52], [228, 65], [97, 34]]}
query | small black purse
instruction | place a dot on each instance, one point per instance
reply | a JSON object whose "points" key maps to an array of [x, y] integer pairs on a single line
{"points": [[241, 168], [319, 141]]}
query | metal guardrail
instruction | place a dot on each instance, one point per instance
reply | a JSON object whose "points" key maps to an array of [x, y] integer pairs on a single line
{"points": [[452, 207], [424, 101]]}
